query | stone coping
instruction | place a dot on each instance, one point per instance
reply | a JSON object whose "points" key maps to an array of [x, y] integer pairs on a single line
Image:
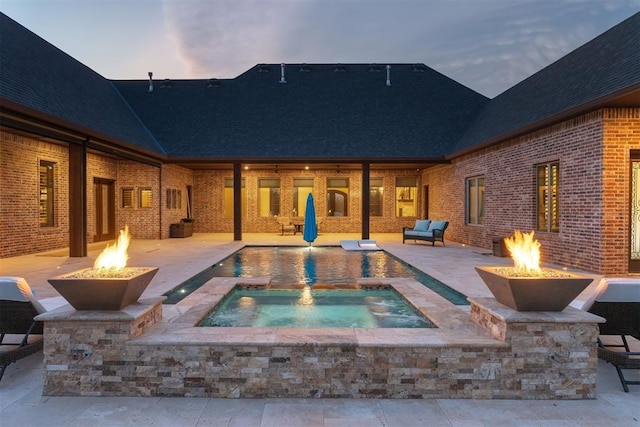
{"points": [[454, 326], [568, 315], [130, 312]]}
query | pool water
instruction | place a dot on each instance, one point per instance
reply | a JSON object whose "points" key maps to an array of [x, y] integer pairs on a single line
{"points": [[308, 308], [288, 265]]}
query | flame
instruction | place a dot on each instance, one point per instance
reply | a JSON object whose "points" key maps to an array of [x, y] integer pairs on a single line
{"points": [[525, 251], [114, 257]]}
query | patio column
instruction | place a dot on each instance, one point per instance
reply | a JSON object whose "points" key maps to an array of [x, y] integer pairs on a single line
{"points": [[365, 199], [78, 200], [237, 201]]}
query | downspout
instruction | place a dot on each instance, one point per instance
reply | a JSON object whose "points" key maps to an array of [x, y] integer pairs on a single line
{"points": [[160, 201]]}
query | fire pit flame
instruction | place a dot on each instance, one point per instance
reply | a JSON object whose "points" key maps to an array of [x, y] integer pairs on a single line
{"points": [[114, 257], [525, 252]]}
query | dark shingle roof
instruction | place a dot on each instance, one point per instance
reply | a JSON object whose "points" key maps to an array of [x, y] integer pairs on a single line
{"points": [[39, 76], [323, 111], [320, 112], [606, 65]]}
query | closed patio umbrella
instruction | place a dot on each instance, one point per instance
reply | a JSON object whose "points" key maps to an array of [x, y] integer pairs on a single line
{"points": [[310, 227]]}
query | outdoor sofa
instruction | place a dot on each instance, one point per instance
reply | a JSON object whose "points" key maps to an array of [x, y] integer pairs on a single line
{"points": [[426, 230]]}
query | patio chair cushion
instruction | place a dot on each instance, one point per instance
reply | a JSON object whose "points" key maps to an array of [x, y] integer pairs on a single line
{"points": [[422, 225], [418, 233], [437, 225], [17, 289]]}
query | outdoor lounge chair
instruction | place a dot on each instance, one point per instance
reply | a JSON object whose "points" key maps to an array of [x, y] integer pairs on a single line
{"points": [[618, 301], [285, 225], [621, 360], [18, 307], [427, 230]]}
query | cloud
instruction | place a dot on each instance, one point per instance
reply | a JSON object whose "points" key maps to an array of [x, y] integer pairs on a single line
{"points": [[223, 38], [486, 45]]}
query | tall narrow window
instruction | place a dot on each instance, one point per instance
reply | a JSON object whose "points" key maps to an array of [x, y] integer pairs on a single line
{"points": [[547, 195], [301, 189], [475, 200], [146, 200], [46, 202], [228, 198], [337, 196], [406, 200], [376, 193], [269, 197], [127, 197]]}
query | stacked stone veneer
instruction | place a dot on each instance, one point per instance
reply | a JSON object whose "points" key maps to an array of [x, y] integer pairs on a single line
{"points": [[533, 356]]}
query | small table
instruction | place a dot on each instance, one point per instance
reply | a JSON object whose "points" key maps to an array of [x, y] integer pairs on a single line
{"points": [[298, 224]]}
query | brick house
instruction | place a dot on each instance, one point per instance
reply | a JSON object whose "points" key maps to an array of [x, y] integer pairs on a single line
{"points": [[378, 145]]}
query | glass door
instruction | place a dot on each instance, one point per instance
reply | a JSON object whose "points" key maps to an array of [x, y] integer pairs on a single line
{"points": [[634, 218]]}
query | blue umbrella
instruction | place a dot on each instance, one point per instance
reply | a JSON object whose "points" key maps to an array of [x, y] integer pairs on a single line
{"points": [[310, 227]]}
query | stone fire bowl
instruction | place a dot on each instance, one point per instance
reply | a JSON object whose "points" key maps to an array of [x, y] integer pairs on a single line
{"points": [[534, 293], [102, 293]]}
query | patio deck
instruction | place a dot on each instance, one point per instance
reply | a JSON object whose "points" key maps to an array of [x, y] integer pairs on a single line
{"points": [[179, 259]]}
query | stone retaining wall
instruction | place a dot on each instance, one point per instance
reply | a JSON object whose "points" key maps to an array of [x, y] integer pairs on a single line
{"points": [[533, 356]]}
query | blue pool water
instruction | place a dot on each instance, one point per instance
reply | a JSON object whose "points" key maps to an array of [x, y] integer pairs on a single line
{"points": [[309, 308], [288, 265]]}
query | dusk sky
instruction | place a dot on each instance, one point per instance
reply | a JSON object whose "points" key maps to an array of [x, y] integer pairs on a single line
{"points": [[487, 45]]}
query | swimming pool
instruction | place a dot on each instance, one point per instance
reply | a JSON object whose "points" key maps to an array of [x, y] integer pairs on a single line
{"points": [[309, 308], [288, 265]]}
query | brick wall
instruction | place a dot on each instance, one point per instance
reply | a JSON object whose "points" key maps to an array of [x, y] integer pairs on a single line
{"points": [[593, 151], [593, 189], [20, 231], [621, 133], [174, 178], [209, 209], [143, 222]]}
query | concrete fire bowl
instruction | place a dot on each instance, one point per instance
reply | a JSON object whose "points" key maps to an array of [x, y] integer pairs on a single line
{"points": [[84, 292], [552, 291]]}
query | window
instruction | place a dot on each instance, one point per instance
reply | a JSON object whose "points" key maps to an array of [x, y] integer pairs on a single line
{"points": [[228, 198], [301, 189], [173, 199], [337, 196], [127, 197], [406, 200], [376, 191], [46, 202], [475, 200], [547, 195], [268, 197], [146, 198]]}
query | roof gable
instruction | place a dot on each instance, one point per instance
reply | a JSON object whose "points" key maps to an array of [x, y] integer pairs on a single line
{"points": [[39, 76], [607, 65]]}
